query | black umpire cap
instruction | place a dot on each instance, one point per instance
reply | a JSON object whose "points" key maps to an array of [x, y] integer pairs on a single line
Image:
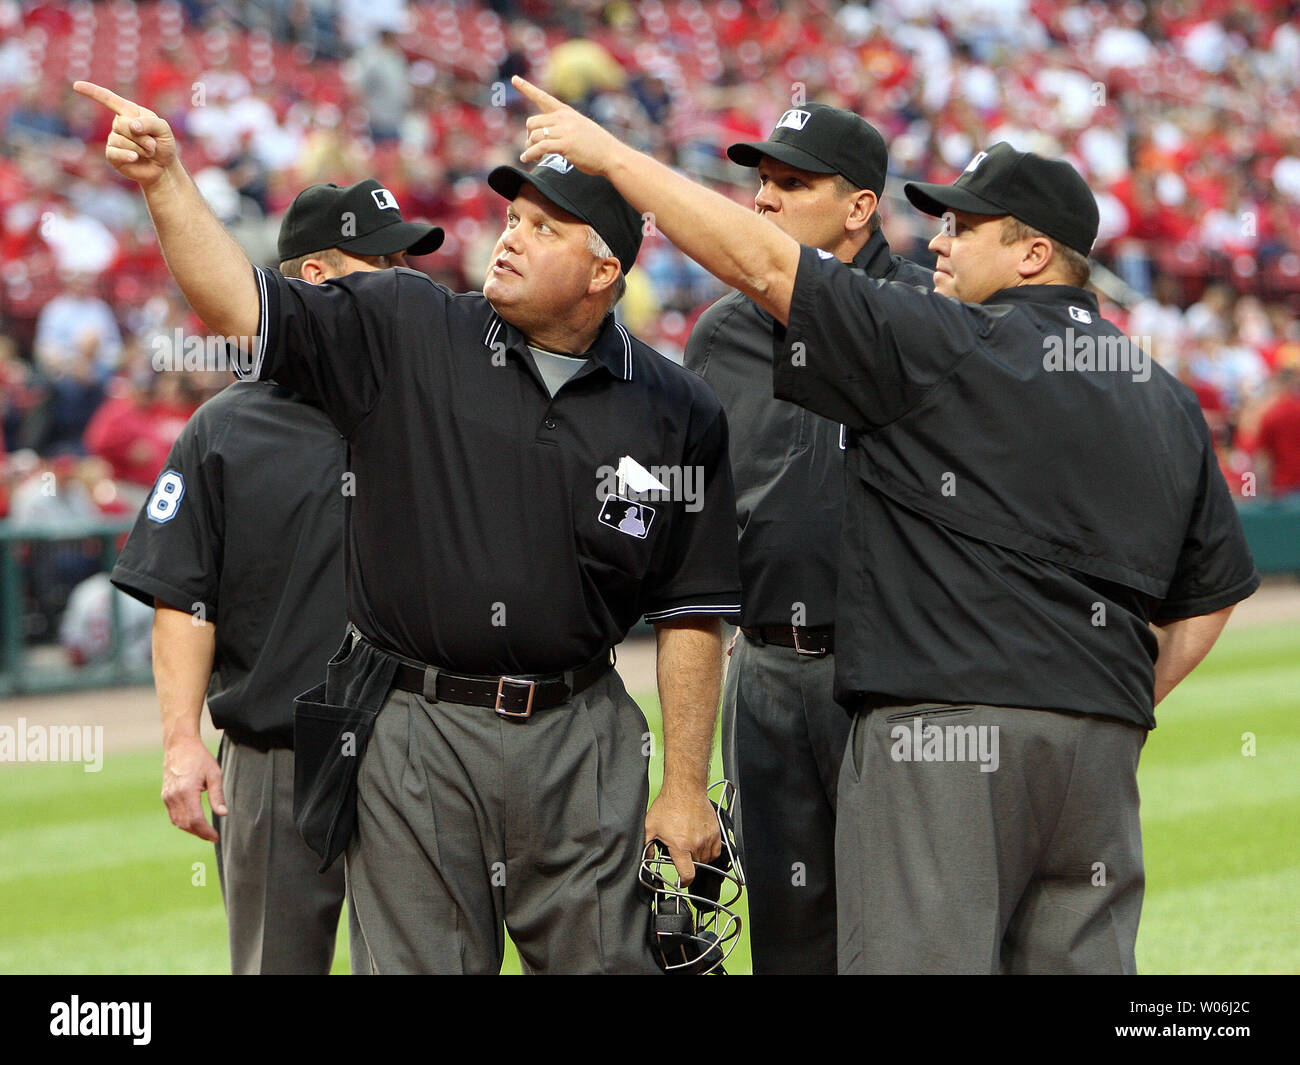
{"points": [[1047, 194], [588, 197], [363, 219], [823, 140]]}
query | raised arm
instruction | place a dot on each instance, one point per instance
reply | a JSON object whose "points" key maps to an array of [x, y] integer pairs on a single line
{"points": [[730, 242], [210, 268]]}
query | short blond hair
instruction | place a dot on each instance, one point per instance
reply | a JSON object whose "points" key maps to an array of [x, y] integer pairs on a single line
{"points": [[331, 256], [1076, 266], [597, 246]]}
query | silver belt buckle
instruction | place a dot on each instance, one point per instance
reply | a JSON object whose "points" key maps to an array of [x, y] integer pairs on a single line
{"points": [[813, 653], [519, 715]]}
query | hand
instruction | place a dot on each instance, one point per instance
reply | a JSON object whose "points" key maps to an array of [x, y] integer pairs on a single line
{"points": [[141, 145], [559, 128], [684, 821], [188, 770]]}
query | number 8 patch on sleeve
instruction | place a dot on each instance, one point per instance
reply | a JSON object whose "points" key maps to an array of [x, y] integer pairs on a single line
{"points": [[166, 496]]}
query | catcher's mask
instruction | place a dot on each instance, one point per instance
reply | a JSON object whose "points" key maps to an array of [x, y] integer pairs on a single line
{"points": [[693, 928]]}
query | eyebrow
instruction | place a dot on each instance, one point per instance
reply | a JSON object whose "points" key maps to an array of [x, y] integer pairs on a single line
{"points": [[543, 215]]}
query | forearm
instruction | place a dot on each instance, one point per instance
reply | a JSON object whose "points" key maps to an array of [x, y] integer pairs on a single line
{"points": [[732, 243], [689, 668], [1183, 644], [183, 650], [209, 267]]}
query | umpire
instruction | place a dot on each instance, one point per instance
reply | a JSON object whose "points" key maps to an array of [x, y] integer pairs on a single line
{"points": [[820, 175], [1038, 546], [498, 441], [252, 629]]}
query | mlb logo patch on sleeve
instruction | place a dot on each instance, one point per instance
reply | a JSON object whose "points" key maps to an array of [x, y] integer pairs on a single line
{"points": [[167, 495], [627, 516]]}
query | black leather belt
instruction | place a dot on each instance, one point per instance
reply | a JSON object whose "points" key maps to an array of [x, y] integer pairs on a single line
{"points": [[815, 642], [515, 697]]}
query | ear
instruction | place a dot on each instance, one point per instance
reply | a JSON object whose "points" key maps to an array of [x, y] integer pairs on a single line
{"points": [[864, 206], [1038, 256], [604, 272], [314, 271]]}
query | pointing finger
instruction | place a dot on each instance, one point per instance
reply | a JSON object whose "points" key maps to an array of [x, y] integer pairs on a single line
{"points": [[540, 97], [104, 96]]}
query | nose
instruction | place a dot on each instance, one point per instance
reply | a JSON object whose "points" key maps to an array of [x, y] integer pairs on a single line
{"points": [[511, 240], [766, 199], [941, 242]]}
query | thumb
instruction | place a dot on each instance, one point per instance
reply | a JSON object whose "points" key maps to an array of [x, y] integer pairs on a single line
{"points": [[685, 867], [216, 797]]}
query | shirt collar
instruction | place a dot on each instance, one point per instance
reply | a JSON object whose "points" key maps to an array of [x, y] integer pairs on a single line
{"points": [[611, 349], [1057, 294], [874, 256]]}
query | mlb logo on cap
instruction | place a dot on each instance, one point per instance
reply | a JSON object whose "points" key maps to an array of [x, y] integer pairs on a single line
{"points": [[556, 162], [794, 119], [385, 199], [979, 158]]}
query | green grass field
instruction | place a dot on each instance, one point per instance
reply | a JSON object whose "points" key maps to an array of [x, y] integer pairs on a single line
{"points": [[94, 879]]}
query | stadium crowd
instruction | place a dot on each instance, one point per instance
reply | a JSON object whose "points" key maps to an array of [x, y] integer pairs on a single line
{"points": [[1184, 116]]}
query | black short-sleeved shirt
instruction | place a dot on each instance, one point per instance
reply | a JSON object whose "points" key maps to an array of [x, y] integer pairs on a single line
{"points": [[788, 463], [1013, 521], [489, 533], [245, 529]]}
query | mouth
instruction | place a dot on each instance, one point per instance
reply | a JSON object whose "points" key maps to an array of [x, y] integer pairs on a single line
{"points": [[503, 267]]}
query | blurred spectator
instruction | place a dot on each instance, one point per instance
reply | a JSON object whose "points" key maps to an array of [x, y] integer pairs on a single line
{"points": [[72, 395], [1277, 441], [134, 429], [77, 324], [382, 76], [50, 498], [20, 394], [81, 244], [34, 120], [86, 629]]}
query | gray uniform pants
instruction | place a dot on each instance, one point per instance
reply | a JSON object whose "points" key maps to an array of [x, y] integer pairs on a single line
{"points": [[1032, 867], [469, 824], [783, 742], [282, 914]]}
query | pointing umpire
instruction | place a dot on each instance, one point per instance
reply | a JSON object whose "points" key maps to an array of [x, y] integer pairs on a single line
{"points": [[820, 175], [1035, 553], [502, 777], [252, 629]]}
